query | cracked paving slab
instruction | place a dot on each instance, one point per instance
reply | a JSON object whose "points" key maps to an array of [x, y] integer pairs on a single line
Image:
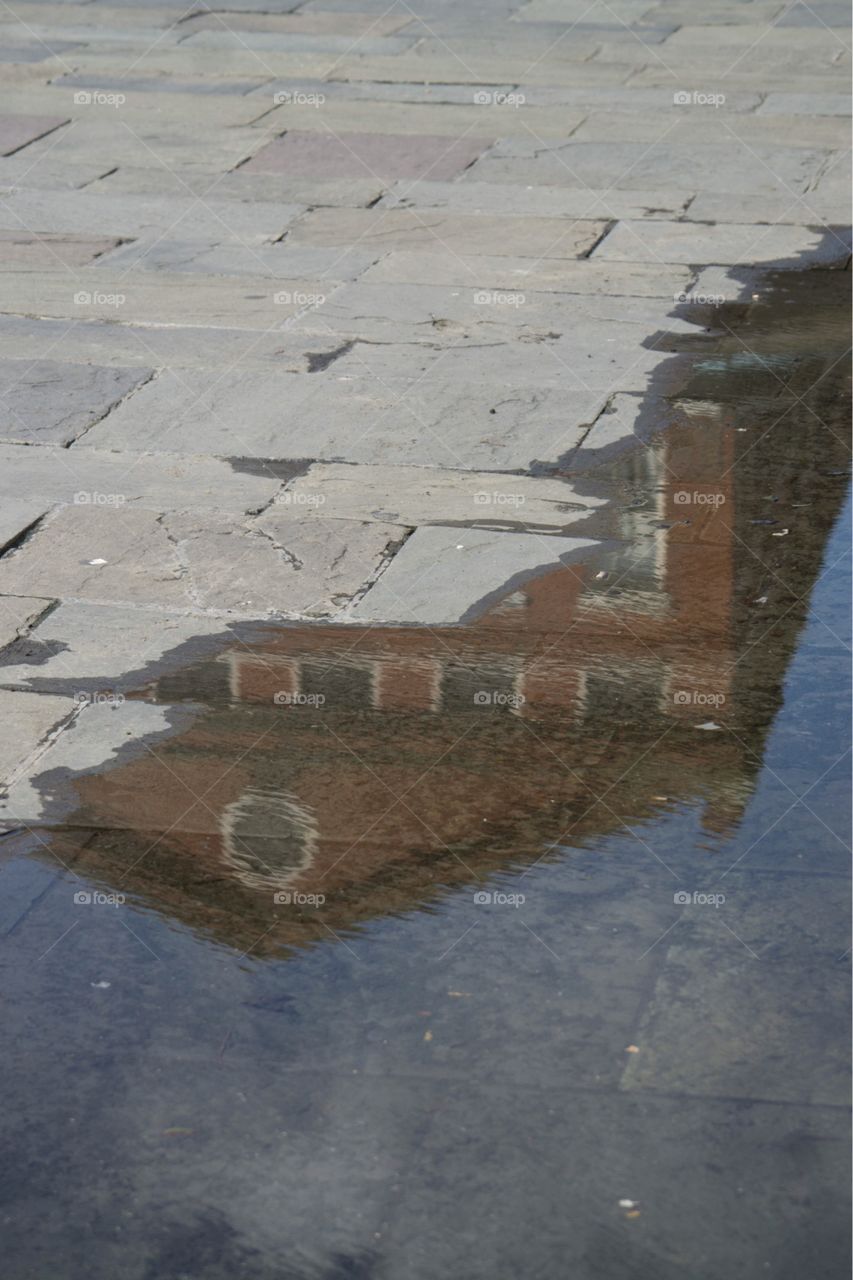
{"points": [[355, 416], [48, 402], [415, 496], [270, 567], [445, 575], [28, 719]]}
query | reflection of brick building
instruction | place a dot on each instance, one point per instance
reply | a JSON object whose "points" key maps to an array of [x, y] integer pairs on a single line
{"points": [[566, 712], [375, 764]]}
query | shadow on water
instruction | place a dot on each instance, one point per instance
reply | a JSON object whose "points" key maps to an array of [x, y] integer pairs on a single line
{"points": [[383, 1036]]}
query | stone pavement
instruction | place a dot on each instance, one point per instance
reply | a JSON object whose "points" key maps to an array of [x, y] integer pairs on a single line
{"points": [[296, 288]]}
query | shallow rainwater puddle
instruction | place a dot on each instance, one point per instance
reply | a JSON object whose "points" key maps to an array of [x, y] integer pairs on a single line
{"points": [[509, 949]]}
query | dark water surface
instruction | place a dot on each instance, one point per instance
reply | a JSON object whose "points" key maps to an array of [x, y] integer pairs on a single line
{"points": [[516, 949]]}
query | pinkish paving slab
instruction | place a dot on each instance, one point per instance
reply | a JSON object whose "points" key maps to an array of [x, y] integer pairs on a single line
{"points": [[18, 131], [362, 155]]}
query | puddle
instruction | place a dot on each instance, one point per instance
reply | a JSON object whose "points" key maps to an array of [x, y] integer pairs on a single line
{"points": [[415, 950]]}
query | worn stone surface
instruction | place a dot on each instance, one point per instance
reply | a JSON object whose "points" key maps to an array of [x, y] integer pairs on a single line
{"points": [[100, 477], [17, 613], [17, 131], [295, 42], [805, 104], [17, 514], [365, 155], [27, 720], [84, 213], [625, 167], [447, 575], [696, 243], [264, 189], [819, 207], [285, 349], [24, 249], [538, 202], [53, 403], [143, 298], [230, 414], [80, 646], [414, 496], [686, 125], [469, 119], [487, 234], [361, 418], [273, 262], [197, 563], [553, 275]]}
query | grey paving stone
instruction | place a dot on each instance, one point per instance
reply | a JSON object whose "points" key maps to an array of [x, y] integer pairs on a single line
{"points": [[379, 91], [180, 348], [567, 11], [53, 403], [27, 720], [296, 42], [728, 284], [507, 274], [234, 6], [93, 33], [586, 365], [792, 76], [805, 104], [17, 614], [143, 298], [443, 316], [95, 477], [361, 155], [683, 12], [700, 126], [617, 164], [816, 15], [78, 645], [37, 51], [18, 131], [484, 118], [98, 731], [183, 62], [812, 209], [699, 244], [627, 99], [87, 213], [156, 84], [307, 22], [614, 431], [263, 188], [767, 40], [412, 496], [539, 202], [445, 67], [449, 575], [17, 514], [49, 174], [356, 418], [141, 138], [455, 233], [275, 262], [182, 561], [26, 249], [233, 414]]}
